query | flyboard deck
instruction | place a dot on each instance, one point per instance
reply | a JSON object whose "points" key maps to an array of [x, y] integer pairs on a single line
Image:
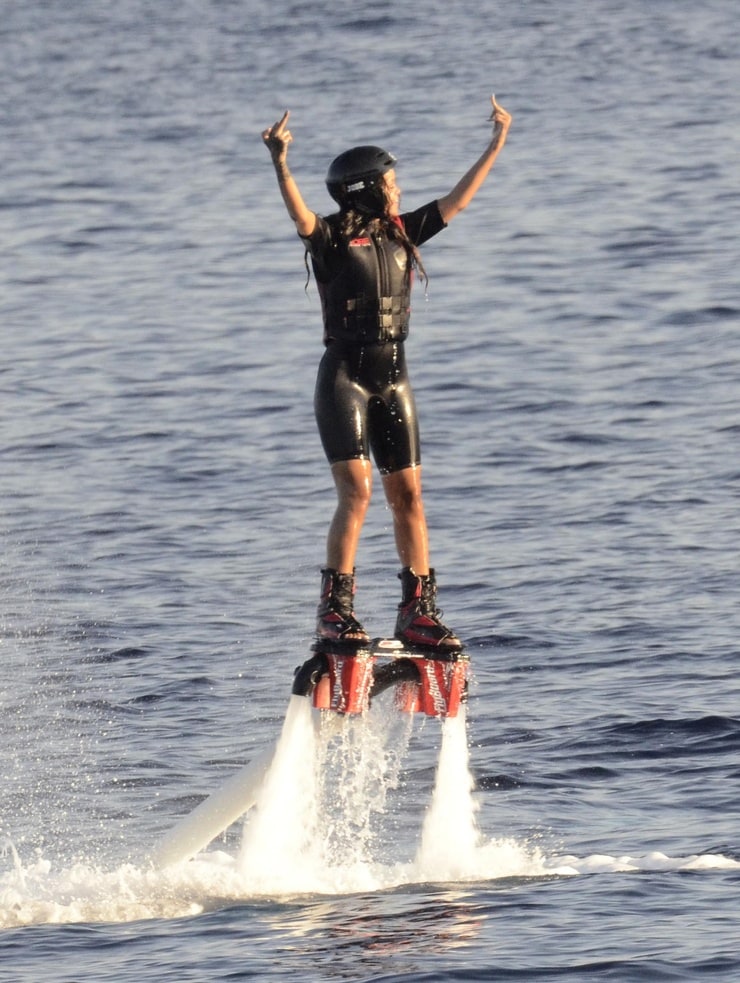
{"points": [[341, 679], [345, 678]]}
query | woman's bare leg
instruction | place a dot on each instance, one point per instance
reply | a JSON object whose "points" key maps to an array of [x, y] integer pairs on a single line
{"points": [[353, 481], [419, 621], [403, 494], [335, 616]]}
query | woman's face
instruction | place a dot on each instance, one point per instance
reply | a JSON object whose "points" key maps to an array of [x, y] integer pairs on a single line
{"points": [[393, 192]]}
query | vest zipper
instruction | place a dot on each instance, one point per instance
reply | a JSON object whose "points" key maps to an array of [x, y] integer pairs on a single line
{"points": [[381, 261]]}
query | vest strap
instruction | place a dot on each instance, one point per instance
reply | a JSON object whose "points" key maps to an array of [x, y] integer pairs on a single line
{"points": [[377, 320]]}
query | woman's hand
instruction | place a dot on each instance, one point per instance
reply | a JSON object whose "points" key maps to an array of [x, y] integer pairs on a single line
{"points": [[467, 187], [277, 137], [500, 118]]}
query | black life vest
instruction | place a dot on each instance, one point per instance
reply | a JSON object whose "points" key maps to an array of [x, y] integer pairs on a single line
{"points": [[366, 296]]}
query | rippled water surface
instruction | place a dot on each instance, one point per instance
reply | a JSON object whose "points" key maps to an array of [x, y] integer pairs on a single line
{"points": [[165, 500]]}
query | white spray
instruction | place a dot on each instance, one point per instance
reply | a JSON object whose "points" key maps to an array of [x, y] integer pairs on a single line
{"points": [[450, 835], [322, 820], [279, 835]]}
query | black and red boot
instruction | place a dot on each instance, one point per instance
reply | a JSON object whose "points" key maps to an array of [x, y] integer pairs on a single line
{"points": [[419, 623], [335, 617]]}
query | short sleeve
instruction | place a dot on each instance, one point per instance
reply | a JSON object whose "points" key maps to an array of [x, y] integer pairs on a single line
{"points": [[320, 247], [424, 223]]}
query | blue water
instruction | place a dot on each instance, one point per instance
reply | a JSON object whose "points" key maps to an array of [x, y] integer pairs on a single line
{"points": [[165, 500]]}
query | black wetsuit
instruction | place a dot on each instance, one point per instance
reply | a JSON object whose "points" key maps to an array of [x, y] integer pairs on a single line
{"points": [[363, 400]]}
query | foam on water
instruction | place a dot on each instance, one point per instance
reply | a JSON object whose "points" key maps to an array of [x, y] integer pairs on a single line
{"points": [[38, 894], [322, 825]]}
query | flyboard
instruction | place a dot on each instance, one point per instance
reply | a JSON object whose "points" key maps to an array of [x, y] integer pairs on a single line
{"points": [[345, 679], [339, 678]]}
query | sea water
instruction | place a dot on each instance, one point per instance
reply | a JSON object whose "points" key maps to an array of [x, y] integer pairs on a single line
{"points": [[165, 499]]}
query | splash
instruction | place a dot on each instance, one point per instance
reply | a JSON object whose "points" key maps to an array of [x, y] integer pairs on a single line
{"points": [[450, 836], [319, 820], [276, 848], [338, 811]]}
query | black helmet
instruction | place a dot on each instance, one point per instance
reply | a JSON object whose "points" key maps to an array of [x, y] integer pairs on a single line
{"points": [[353, 178]]}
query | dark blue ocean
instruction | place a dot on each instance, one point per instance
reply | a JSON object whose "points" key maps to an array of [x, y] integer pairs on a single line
{"points": [[165, 500]]}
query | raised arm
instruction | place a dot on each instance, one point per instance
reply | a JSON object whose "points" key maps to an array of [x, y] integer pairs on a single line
{"points": [[276, 138], [466, 188]]}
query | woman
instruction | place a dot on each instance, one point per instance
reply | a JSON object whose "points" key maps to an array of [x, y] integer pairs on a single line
{"points": [[363, 259]]}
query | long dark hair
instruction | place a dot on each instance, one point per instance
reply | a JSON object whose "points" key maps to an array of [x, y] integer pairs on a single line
{"points": [[353, 222], [356, 220]]}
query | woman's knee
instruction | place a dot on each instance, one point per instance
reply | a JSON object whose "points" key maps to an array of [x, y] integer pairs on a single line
{"points": [[408, 502], [353, 480], [403, 492]]}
